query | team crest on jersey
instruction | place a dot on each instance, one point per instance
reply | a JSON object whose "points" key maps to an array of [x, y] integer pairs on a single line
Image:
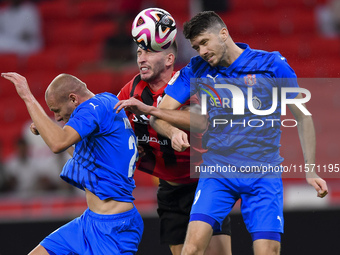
{"points": [[250, 79], [174, 78], [257, 103]]}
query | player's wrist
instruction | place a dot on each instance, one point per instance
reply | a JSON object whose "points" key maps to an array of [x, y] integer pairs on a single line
{"points": [[173, 132], [154, 111], [29, 98]]}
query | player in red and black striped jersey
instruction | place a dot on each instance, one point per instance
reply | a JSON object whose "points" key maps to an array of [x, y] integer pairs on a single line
{"points": [[176, 189], [159, 158]]}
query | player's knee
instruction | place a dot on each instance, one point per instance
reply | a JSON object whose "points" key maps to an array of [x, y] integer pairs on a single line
{"points": [[192, 249], [266, 247]]}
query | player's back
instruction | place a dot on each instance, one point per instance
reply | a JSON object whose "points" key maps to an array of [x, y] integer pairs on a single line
{"points": [[104, 160]]}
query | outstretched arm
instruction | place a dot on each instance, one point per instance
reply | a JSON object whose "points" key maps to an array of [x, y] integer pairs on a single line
{"points": [[179, 139], [35, 131], [166, 111], [308, 143], [57, 138]]}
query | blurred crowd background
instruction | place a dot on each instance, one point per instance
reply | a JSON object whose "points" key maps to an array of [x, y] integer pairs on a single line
{"points": [[91, 39]]}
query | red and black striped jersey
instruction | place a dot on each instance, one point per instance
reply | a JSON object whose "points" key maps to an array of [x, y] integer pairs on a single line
{"points": [[160, 159]]}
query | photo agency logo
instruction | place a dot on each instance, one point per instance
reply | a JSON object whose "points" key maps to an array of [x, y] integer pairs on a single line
{"points": [[243, 101]]}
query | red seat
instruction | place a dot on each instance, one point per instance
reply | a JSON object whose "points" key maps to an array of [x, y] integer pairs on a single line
{"points": [[94, 9], [50, 60], [64, 33], [102, 30], [78, 55], [56, 9], [9, 63], [13, 111], [99, 82], [7, 89]]}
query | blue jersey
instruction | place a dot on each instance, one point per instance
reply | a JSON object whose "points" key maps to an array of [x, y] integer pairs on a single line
{"points": [[246, 138], [104, 160]]}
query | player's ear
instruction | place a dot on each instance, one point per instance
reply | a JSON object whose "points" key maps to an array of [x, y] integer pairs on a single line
{"points": [[170, 60], [73, 98], [224, 33]]}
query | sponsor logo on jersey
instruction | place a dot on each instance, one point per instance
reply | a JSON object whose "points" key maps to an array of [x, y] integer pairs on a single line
{"points": [[142, 119], [149, 139]]}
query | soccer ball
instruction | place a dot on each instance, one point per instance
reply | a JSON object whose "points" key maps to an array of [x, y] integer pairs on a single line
{"points": [[154, 29]]}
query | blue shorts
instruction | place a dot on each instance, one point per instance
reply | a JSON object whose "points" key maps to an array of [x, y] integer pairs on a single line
{"points": [[261, 206], [93, 233]]}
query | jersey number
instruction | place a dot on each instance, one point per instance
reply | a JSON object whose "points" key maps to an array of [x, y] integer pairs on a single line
{"points": [[132, 146]]}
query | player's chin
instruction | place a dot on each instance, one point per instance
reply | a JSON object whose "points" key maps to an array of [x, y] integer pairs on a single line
{"points": [[213, 62], [146, 77]]}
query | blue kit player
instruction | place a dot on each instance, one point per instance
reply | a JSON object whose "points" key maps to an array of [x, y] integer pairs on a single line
{"points": [[102, 164], [222, 75]]}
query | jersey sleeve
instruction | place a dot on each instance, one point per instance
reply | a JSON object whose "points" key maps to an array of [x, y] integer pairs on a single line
{"points": [[179, 86], [285, 75], [86, 120]]}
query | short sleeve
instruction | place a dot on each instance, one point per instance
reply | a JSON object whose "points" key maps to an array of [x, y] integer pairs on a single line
{"points": [[285, 75], [179, 86]]}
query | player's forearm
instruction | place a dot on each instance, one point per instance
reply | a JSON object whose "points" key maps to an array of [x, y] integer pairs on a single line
{"points": [[308, 141], [162, 127], [52, 134], [181, 119]]}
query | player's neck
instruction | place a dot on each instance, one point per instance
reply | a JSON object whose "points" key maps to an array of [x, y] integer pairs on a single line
{"points": [[160, 82], [86, 97], [233, 52]]}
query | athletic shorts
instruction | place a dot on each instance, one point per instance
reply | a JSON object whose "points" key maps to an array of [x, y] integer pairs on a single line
{"points": [[261, 202], [93, 234], [174, 206]]}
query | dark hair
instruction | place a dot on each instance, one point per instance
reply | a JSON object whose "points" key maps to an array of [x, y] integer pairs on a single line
{"points": [[201, 23]]}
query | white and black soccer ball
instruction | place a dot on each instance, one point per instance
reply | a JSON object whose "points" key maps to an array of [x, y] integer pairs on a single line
{"points": [[154, 29]]}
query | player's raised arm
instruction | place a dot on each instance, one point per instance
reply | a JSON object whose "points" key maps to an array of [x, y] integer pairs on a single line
{"points": [[57, 138], [189, 119], [308, 143]]}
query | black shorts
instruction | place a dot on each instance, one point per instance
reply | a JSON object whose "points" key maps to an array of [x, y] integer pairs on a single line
{"points": [[174, 206]]}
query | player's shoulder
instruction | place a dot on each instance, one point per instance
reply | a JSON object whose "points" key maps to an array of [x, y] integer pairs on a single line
{"points": [[266, 57], [99, 102], [197, 61], [195, 66], [125, 92], [135, 79]]}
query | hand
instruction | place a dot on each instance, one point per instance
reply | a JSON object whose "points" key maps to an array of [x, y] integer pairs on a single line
{"points": [[319, 185], [20, 84], [33, 129], [133, 105], [179, 141], [141, 151]]}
